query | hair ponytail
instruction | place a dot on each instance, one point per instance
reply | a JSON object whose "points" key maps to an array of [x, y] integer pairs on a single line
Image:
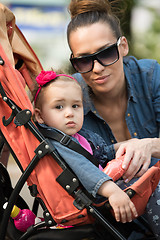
{"points": [[77, 7], [87, 12]]}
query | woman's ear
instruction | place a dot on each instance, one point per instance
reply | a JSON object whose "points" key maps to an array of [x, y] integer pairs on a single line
{"points": [[38, 115], [124, 46]]}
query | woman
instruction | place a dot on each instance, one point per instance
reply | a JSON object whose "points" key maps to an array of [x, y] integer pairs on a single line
{"points": [[121, 94]]}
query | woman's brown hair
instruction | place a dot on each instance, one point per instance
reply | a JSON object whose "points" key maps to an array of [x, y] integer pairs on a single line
{"points": [[87, 12]]}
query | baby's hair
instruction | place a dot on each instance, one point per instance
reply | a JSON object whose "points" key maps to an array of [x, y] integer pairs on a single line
{"points": [[86, 12], [60, 76]]}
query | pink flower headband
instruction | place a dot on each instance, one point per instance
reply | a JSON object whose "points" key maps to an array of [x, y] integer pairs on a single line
{"points": [[45, 77]]}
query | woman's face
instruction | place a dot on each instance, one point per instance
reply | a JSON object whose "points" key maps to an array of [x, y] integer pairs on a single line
{"points": [[90, 39]]}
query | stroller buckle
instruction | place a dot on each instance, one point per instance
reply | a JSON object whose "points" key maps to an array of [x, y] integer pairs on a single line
{"points": [[65, 140]]}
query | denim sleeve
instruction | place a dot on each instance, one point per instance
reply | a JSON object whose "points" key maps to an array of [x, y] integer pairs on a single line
{"points": [[88, 174], [101, 151]]}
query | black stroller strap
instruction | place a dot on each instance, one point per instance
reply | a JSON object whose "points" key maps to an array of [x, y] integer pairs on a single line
{"points": [[67, 141]]}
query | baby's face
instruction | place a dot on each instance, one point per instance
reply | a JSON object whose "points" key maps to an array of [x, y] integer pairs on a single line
{"points": [[62, 107]]}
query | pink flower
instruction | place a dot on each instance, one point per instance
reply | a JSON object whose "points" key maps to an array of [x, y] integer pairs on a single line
{"points": [[45, 77]]}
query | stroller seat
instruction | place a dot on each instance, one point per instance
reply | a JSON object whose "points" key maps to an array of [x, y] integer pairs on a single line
{"points": [[6, 189], [37, 159]]}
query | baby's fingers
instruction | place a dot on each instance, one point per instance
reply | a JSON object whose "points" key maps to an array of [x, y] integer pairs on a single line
{"points": [[128, 213], [117, 214], [133, 209]]}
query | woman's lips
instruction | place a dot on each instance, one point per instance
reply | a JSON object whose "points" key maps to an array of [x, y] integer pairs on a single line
{"points": [[101, 80]]}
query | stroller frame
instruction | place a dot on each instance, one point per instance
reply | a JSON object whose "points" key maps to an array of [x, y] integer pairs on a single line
{"points": [[23, 117], [20, 64]]}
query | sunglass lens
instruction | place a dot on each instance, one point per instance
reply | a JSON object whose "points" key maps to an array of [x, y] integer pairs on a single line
{"points": [[108, 56], [83, 64]]}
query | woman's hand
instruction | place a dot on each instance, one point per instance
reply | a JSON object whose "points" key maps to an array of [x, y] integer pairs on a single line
{"points": [[137, 158], [123, 207]]}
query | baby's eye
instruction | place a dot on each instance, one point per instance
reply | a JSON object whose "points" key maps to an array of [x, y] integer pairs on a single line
{"points": [[59, 107], [75, 106]]}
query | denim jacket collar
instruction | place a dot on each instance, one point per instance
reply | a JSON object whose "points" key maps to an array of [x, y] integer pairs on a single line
{"points": [[89, 106], [130, 86]]}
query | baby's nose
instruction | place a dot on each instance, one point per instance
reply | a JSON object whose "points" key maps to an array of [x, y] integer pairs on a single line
{"points": [[69, 112]]}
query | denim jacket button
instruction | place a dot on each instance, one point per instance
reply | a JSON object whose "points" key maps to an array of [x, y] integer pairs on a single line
{"points": [[128, 114], [135, 134]]}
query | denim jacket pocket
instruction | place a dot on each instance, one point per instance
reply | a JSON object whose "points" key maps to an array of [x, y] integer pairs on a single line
{"points": [[151, 128]]}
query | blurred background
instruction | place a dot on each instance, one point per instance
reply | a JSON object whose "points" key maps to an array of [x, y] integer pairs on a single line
{"points": [[44, 24]]}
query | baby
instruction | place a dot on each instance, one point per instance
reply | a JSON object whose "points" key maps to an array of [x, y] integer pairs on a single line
{"points": [[59, 107]]}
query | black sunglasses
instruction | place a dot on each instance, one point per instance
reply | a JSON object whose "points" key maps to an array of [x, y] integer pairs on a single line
{"points": [[105, 57]]}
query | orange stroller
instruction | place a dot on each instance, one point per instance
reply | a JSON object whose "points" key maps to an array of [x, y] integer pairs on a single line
{"points": [[51, 182]]}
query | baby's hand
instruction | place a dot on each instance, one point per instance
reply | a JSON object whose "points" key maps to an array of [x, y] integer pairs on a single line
{"points": [[123, 207]]}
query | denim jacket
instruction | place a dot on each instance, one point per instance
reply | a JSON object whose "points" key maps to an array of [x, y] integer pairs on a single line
{"points": [[88, 174], [143, 109]]}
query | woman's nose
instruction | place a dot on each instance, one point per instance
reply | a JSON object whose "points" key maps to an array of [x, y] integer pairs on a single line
{"points": [[97, 67]]}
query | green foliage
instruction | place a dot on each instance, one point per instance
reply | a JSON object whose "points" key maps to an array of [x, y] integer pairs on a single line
{"points": [[147, 45]]}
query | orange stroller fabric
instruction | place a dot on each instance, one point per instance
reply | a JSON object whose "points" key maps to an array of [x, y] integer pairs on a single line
{"points": [[12, 48], [144, 186]]}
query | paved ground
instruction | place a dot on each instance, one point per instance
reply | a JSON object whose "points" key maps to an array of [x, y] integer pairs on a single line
{"points": [[15, 174]]}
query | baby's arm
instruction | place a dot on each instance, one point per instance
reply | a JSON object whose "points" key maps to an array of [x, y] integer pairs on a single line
{"points": [[123, 207], [95, 181]]}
